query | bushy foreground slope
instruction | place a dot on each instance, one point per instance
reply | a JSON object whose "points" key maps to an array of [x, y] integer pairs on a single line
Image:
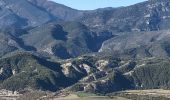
{"points": [[86, 73]]}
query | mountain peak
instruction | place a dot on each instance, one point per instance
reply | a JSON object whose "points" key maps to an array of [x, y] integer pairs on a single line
{"points": [[154, 1], [58, 10], [25, 13]]}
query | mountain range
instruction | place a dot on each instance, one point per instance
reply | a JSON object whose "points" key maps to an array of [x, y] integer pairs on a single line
{"points": [[43, 43]]}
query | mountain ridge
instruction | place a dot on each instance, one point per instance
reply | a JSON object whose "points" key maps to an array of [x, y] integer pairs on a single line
{"points": [[95, 51]]}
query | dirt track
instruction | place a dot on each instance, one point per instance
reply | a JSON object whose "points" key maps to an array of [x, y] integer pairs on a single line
{"points": [[75, 97]]}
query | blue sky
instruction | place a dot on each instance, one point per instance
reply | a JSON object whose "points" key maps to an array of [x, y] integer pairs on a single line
{"points": [[94, 4]]}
